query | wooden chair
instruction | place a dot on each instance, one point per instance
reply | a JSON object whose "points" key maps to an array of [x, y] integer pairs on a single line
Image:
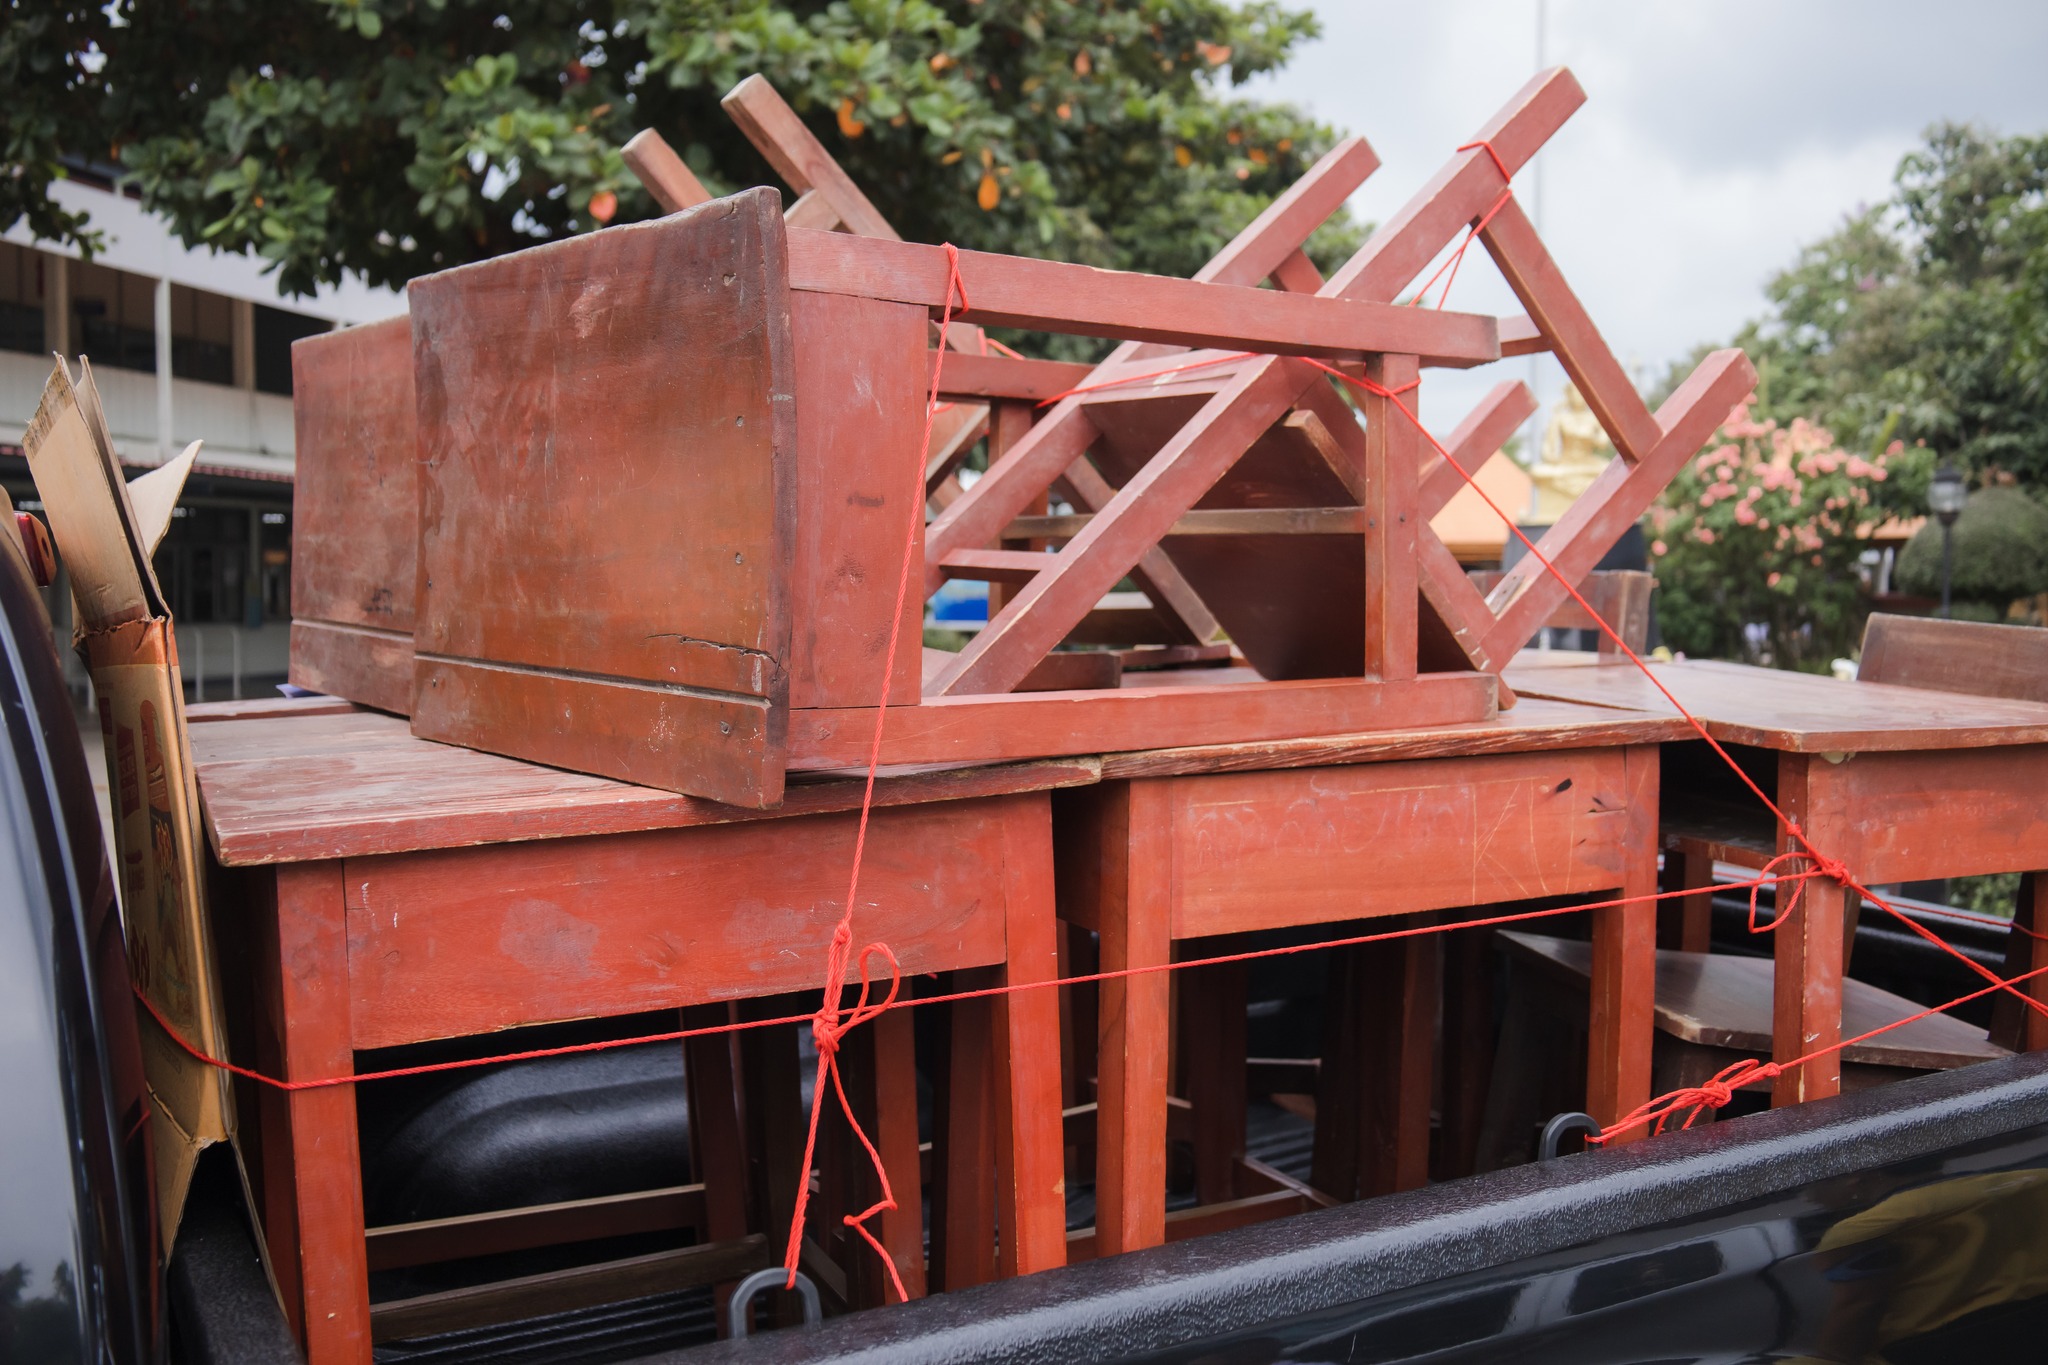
{"points": [[1713, 1009], [1620, 597]]}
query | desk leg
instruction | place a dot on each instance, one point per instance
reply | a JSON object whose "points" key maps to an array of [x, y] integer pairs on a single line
{"points": [[1807, 990], [1623, 1022], [719, 1154], [313, 1173], [1134, 922], [1212, 1020], [895, 1138], [2013, 1024], [1031, 1159], [1399, 983], [965, 1142], [1687, 923]]}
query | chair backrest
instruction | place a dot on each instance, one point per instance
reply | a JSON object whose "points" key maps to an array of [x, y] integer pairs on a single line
{"points": [[1956, 656], [1620, 596]]}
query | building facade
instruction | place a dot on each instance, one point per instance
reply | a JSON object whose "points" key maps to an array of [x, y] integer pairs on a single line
{"points": [[185, 345]]}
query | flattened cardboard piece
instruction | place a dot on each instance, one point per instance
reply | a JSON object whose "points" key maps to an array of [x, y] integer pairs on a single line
{"points": [[154, 497], [126, 639]]}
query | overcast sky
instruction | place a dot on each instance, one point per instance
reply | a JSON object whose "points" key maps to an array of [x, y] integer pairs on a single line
{"points": [[1716, 138]]}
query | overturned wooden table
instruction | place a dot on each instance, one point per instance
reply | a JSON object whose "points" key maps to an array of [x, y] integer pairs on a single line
{"points": [[1897, 783], [382, 890]]}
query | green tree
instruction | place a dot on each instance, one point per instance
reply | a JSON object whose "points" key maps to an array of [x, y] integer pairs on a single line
{"points": [[398, 137], [2001, 553], [1926, 316], [1764, 531]]}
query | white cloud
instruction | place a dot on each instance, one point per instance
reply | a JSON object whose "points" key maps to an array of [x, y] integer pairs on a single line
{"points": [[1715, 142]]}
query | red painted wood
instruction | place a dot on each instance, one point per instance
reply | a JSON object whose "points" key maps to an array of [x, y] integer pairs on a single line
{"points": [[459, 941], [648, 156], [355, 514], [861, 387], [1807, 945], [799, 158], [1134, 877], [1055, 296], [1030, 1146], [323, 1178], [1393, 449], [1622, 1022], [555, 450]]}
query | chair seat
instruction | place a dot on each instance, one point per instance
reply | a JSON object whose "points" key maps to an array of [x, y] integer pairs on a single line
{"points": [[1720, 1000]]}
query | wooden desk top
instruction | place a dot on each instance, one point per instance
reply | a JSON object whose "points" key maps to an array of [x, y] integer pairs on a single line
{"points": [[1796, 712], [1534, 723], [292, 786], [1721, 1000]]}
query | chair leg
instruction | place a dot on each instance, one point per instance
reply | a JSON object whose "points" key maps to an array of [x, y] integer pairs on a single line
{"points": [[2013, 1024]]}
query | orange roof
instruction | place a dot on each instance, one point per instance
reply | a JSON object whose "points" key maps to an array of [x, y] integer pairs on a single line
{"points": [[1470, 529]]}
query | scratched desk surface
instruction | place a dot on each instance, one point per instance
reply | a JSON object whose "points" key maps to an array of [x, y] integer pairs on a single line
{"points": [[282, 787], [297, 782], [1794, 712]]}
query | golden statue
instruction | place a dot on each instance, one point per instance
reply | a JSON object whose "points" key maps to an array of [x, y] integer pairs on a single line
{"points": [[1575, 450]]}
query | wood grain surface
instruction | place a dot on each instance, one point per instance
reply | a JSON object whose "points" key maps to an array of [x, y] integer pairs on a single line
{"points": [[608, 498], [297, 789]]}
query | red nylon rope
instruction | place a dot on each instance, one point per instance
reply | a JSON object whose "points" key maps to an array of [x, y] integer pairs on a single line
{"points": [[899, 1002], [829, 1024]]}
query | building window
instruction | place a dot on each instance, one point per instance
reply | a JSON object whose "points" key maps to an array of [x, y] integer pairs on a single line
{"points": [[202, 336], [21, 299], [276, 330]]}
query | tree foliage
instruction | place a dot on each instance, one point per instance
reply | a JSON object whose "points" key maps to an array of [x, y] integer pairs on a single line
{"points": [[1757, 542], [397, 137], [1925, 317]]}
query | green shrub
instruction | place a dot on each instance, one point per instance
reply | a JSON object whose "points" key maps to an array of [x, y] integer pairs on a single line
{"points": [[2001, 551]]}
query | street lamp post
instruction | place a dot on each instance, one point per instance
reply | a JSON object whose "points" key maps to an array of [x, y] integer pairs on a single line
{"points": [[1945, 497]]}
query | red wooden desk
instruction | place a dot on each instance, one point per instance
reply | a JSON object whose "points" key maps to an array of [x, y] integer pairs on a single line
{"points": [[1898, 783], [389, 890], [1547, 800]]}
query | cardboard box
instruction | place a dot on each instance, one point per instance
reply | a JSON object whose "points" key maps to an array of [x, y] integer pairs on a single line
{"points": [[106, 530]]}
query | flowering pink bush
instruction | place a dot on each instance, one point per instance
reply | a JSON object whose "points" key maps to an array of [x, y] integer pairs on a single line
{"points": [[1755, 544]]}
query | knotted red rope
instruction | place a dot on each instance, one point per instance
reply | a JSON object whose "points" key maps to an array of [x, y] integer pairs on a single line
{"points": [[1457, 257], [828, 1026]]}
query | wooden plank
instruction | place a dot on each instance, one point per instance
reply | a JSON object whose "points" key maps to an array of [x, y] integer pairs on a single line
{"points": [[1218, 521], [315, 1170], [367, 800], [355, 514], [1132, 916], [977, 517], [562, 1291], [1956, 656], [1720, 1000], [1394, 838], [1212, 1020], [1535, 725], [1186, 467], [1392, 450], [1079, 300], [398, 1245], [1529, 270], [964, 1209], [798, 157], [1002, 376], [1807, 945], [1621, 1021], [374, 667], [626, 923], [2015, 1025], [1187, 618], [1798, 712], [995, 566], [254, 708], [812, 210], [990, 728], [597, 538], [1271, 242], [1460, 193], [861, 387], [1030, 1146], [674, 186], [1074, 670]]}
